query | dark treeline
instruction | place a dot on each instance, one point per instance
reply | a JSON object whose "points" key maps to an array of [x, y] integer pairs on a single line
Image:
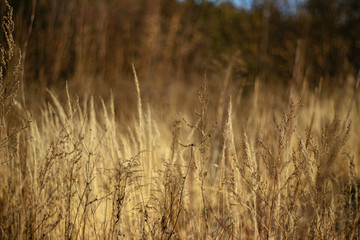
{"points": [[168, 40]]}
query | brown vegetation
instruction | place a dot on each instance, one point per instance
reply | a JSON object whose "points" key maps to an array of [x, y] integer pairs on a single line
{"points": [[239, 158]]}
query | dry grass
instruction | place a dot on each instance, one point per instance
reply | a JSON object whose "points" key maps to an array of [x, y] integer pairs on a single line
{"points": [[262, 165]]}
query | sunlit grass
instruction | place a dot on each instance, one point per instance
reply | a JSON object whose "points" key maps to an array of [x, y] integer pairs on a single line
{"points": [[258, 162]]}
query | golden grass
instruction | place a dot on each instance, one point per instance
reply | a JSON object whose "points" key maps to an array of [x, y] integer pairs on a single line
{"points": [[263, 165], [79, 173]]}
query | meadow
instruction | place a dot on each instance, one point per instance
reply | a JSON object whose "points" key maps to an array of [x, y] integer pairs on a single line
{"points": [[213, 158]]}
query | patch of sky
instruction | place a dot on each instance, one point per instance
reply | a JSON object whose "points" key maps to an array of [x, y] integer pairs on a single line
{"points": [[287, 6]]}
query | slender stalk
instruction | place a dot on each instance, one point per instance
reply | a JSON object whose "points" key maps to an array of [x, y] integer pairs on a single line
{"points": [[182, 192], [26, 42]]}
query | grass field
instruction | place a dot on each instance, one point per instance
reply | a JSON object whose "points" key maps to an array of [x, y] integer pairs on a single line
{"points": [[216, 160]]}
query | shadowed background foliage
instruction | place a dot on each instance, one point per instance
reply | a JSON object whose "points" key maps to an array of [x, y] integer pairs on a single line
{"points": [[95, 42]]}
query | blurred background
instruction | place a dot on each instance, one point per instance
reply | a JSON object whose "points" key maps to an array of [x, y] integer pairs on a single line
{"points": [[172, 44]]}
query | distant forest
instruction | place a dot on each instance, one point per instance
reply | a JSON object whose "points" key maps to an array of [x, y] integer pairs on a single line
{"points": [[170, 40]]}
